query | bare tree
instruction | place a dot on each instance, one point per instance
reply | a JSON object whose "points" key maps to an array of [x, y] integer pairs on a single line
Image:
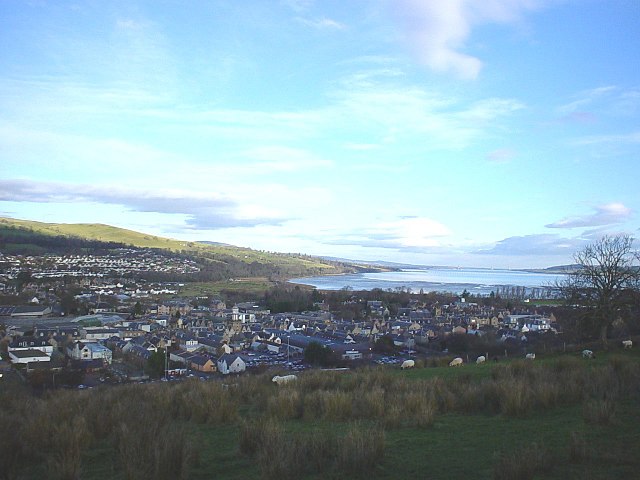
{"points": [[606, 279]]}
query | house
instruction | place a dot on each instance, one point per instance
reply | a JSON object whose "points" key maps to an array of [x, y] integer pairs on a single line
{"points": [[352, 355], [187, 341], [230, 363], [89, 351], [202, 363]]}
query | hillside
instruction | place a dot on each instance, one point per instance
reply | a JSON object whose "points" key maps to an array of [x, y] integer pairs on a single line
{"points": [[232, 261], [557, 418]]}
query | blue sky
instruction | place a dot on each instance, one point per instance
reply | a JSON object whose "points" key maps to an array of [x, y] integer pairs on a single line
{"points": [[492, 133]]}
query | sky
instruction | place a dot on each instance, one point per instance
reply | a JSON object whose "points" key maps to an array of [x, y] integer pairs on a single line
{"points": [[479, 133]]}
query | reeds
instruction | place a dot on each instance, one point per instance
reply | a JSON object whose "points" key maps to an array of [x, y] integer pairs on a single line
{"points": [[522, 463], [282, 454]]}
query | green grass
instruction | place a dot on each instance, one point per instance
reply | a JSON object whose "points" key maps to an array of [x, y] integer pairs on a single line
{"points": [[252, 286], [322, 410]]}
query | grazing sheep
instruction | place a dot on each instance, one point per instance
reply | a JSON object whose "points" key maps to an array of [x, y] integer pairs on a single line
{"points": [[531, 356], [588, 354], [480, 359], [627, 343], [283, 380], [456, 362], [408, 364]]}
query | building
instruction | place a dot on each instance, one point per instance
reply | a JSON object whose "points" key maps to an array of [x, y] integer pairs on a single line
{"points": [[28, 356], [30, 343], [89, 351], [230, 363]]}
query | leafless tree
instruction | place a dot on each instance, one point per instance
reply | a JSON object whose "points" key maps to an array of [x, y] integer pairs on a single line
{"points": [[607, 277]]}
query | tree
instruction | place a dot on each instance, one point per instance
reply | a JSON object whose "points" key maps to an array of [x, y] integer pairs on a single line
{"points": [[317, 354], [608, 275], [156, 364], [385, 345]]}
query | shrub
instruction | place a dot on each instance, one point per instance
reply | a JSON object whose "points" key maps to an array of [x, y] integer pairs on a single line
{"points": [[578, 450], [360, 449], [523, 464], [598, 411]]}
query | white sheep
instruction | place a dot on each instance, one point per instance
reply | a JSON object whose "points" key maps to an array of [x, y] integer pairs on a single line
{"points": [[531, 356], [283, 380], [481, 359], [456, 362], [588, 354], [408, 364], [627, 343]]}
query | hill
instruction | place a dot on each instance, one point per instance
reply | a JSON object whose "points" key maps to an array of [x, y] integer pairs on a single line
{"points": [[29, 237]]}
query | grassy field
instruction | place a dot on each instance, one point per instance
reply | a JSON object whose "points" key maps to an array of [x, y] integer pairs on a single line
{"points": [[561, 417], [251, 286]]}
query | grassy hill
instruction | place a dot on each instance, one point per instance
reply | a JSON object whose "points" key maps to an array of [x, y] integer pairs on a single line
{"points": [[557, 418], [263, 263]]}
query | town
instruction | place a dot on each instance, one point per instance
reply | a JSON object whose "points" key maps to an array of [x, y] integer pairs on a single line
{"points": [[101, 324]]}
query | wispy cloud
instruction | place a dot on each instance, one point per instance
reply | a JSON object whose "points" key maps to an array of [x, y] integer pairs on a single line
{"points": [[534, 245], [501, 155], [608, 214], [322, 23], [633, 137], [278, 158], [203, 210], [588, 106], [438, 30], [585, 98], [414, 233]]}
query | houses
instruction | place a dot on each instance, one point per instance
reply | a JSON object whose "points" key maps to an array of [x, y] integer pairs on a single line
{"points": [[25, 343], [99, 333]]}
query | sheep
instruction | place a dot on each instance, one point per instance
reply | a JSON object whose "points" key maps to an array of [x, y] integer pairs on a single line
{"points": [[627, 343], [531, 356], [283, 380], [408, 364], [588, 354], [481, 359], [456, 362]]}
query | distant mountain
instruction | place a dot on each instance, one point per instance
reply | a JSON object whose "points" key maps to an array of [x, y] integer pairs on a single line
{"points": [[557, 270], [219, 261]]}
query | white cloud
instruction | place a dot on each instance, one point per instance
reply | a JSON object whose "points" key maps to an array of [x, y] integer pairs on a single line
{"points": [[633, 137], [438, 30], [202, 210], [414, 233], [501, 155], [279, 158], [586, 98], [322, 23], [535, 245], [608, 214]]}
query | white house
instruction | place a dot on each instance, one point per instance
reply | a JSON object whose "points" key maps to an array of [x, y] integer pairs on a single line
{"points": [[229, 363], [89, 351]]}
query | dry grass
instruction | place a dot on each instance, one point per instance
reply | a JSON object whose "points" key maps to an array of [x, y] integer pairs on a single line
{"points": [[523, 463]]}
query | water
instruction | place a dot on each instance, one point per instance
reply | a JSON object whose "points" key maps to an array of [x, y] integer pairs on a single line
{"points": [[477, 281]]}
